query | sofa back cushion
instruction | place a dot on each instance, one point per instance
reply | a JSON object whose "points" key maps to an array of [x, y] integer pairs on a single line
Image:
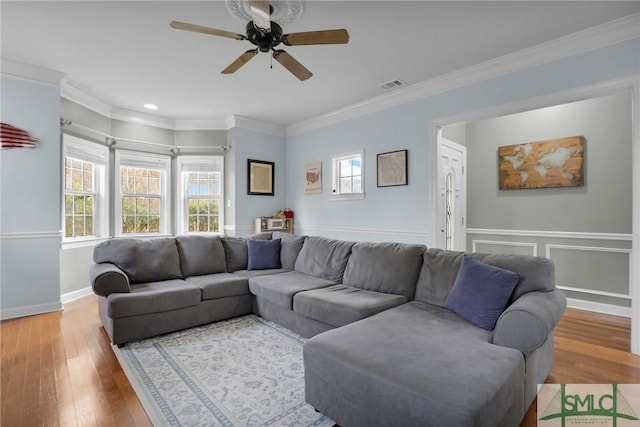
{"points": [[236, 251], [392, 268], [290, 247], [440, 268], [142, 260], [324, 258], [200, 255]]}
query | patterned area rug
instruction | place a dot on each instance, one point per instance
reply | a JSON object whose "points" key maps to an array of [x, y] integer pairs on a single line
{"points": [[240, 372]]}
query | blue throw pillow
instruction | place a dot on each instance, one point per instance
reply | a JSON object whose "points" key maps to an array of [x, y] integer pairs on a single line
{"points": [[480, 292], [263, 254]]}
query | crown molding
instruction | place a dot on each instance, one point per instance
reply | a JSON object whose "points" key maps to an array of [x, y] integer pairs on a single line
{"points": [[255, 125], [573, 44], [22, 71], [80, 97], [142, 118], [73, 94], [204, 124]]}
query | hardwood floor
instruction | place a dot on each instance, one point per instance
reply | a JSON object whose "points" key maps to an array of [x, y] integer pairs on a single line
{"points": [[58, 369]]}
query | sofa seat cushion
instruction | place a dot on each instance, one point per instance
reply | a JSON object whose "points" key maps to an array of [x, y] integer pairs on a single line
{"points": [[153, 297], [220, 285], [281, 288], [340, 305], [254, 273], [414, 365]]}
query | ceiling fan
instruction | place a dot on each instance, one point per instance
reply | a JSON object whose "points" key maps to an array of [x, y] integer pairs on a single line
{"points": [[266, 35]]}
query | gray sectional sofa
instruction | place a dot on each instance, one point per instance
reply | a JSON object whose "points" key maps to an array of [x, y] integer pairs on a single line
{"points": [[387, 346]]}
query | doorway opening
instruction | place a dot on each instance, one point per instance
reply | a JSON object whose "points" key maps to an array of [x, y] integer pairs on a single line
{"points": [[573, 247]]}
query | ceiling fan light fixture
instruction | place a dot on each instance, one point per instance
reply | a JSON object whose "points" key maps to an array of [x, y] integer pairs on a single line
{"points": [[283, 11]]}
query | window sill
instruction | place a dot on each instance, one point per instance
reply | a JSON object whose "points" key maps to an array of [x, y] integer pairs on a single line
{"points": [[142, 235], [83, 242], [336, 197]]}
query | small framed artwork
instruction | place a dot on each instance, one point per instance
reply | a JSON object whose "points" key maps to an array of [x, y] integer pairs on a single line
{"points": [[392, 168], [260, 178], [313, 178]]}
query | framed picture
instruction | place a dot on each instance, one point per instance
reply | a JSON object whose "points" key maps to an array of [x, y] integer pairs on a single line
{"points": [[392, 168], [542, 164], [313, 178], [260, 178]]}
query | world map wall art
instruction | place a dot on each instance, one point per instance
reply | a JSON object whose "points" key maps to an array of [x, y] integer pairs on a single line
{"points": [[542, 164]]}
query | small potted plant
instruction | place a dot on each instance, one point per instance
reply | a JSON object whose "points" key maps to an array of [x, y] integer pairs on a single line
{"points": [[279, 214]]}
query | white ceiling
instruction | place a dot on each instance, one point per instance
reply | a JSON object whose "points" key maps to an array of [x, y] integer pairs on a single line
{"points": [[125, 54]]}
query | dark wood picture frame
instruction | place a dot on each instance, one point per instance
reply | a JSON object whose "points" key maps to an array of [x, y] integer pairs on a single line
{"points": [[392, 168], [260, 175]]}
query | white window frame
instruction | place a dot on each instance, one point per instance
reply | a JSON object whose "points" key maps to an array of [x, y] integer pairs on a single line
{"points": [[160, 162], [335, 176], [203, 163], [98, 155]]}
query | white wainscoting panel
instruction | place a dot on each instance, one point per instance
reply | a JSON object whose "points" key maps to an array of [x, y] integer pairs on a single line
{"points": [[533, 246], [568, 287]]}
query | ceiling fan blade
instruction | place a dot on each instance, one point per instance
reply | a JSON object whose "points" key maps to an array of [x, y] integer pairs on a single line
{"points": [[205, 30], [316, 37], [243, 59], [261, 14], [291, 64]]}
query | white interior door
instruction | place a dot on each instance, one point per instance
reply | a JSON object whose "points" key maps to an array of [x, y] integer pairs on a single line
{"points": [[452, 196]]}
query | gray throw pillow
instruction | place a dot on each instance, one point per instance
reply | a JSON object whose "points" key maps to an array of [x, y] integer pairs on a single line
{"points": [[236, 251]]}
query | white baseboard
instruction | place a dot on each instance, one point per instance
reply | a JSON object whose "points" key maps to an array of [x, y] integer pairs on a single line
{"points": [[599, 307], [74, 295], [30, 310]]}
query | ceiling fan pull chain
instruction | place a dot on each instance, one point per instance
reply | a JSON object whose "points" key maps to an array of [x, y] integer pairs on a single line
{"points": [[271, 62]]}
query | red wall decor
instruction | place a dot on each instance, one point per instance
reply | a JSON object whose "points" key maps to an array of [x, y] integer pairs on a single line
{"points": [[13, 137]]}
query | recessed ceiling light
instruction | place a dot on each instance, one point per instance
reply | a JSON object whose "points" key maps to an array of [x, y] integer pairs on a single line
{"points": [[150, 106]]}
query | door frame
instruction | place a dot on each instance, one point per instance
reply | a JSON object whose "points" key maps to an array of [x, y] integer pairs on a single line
{"points": [[630, 84]]}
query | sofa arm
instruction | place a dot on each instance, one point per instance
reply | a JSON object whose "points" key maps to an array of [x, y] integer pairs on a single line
{"points": [[107, 279], [527, 323]]}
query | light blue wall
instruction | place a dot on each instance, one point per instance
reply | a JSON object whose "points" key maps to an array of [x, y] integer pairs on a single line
{"points": [[384, 211], [30, 187], [248, 144], [402, 213]]}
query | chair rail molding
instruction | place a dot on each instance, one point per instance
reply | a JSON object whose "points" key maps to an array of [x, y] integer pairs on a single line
{"points": [[551, 234], [13, 235]]}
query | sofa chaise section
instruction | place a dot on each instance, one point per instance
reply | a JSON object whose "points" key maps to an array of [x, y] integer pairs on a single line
{"points": [[422, 364], [413, 365]]}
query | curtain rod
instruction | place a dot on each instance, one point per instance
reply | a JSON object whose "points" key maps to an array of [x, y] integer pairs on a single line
{"points": [[111, 140]]}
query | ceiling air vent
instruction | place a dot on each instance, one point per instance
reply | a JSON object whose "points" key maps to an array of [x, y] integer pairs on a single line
{"points": [[392, 84]]}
